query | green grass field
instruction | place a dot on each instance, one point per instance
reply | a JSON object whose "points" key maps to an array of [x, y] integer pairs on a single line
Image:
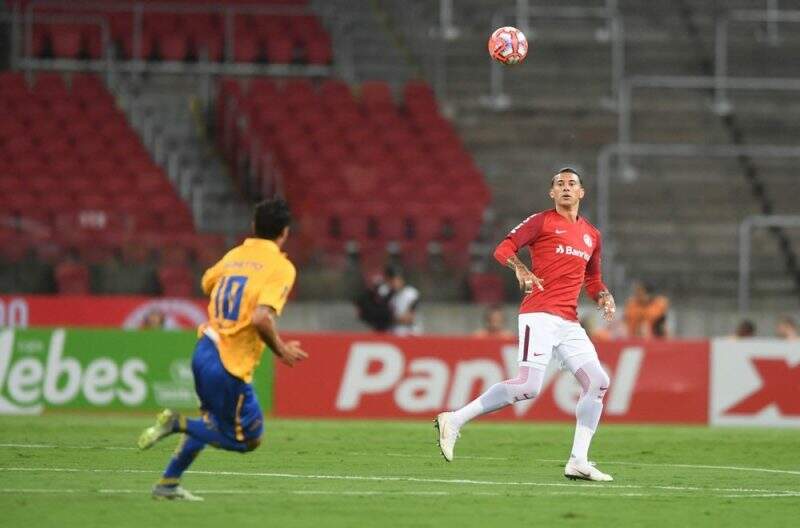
{"points": [[81, 470]]}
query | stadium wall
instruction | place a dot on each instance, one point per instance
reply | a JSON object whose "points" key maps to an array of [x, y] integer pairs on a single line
{"points": [[688, 320], [364, 376]]}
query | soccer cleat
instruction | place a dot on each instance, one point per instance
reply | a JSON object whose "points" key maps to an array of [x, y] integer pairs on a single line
{"points": [[575, 470], [161, 492], [448, 435], [165, 425]]}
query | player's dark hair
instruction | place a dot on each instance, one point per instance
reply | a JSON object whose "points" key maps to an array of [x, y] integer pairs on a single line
{"points": [[270, 217], [746, 328], [393, 270], [569, 170]]}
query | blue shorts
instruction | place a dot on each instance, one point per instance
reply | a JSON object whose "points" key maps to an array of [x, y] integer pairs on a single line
{"points": [[229, 403]]}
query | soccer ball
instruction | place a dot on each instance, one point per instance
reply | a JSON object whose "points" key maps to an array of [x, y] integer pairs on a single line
{"points": [[508, 45]]}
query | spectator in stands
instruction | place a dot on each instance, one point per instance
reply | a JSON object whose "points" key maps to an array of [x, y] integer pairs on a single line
{"points": [[646, 313], [403, 300], [745, 329], [154, 320], [494, 324], [787, 328]]}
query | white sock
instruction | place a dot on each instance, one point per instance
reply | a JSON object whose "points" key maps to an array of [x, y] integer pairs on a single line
{"points": [[580, 445], [525, 386], [493, 399], [594, 382]]}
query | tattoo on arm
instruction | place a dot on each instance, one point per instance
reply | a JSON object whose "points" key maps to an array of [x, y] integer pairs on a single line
{"points": [[515, 263]]}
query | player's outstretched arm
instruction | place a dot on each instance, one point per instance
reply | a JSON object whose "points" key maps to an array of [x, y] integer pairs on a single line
{"points": [[506, 254], [289, 352]]}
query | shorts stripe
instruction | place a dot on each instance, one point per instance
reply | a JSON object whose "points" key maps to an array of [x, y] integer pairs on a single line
{"points": [[527, 342], [238, 419]]}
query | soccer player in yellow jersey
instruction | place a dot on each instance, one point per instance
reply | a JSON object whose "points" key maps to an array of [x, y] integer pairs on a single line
{"points": [[248, 289]]}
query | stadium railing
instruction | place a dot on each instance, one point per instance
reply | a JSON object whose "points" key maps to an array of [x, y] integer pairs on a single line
{"points": [[746, 229], [772, 16], [622, 151], [26, 18], [500, 100], [629, 84]]}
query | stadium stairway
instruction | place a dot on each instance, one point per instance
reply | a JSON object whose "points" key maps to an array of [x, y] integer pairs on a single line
{"points": [[167, 113], [374, 49]]}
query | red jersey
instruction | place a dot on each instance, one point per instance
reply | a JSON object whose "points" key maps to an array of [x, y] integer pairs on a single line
{"points": [[565, 255]]}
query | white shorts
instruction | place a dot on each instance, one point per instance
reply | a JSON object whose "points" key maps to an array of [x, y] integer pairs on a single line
{"points": [[542, 335]]}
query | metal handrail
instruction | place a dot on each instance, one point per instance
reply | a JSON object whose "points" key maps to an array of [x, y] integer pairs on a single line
{"points": [[772, 16], [625, 104], [665, 150], [500, 100], [676, 150], [745, 248]]}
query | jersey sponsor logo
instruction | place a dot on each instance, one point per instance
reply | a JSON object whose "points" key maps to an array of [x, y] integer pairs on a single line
{"points": [[587, 240], [569, 250]]}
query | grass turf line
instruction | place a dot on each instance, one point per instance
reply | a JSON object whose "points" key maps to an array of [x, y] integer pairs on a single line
{"points": [[507, 474]]}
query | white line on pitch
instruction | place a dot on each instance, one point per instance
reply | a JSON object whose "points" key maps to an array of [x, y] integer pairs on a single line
{"points": [[688, 466], [617, 463], [584, 486], [763, 495], [144, 491], [40, 490], [49, 446], [436, 455]]}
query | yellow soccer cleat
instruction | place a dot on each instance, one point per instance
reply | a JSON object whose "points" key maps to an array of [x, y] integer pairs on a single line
{"points": [[165, 425]]}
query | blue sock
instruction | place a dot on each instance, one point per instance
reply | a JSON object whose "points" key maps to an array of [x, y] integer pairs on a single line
{"points": [[203, 432], [184, 456]]}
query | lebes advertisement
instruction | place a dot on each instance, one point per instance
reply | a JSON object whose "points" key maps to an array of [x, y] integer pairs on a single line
{"points": [[101, 370], [384, 377]]}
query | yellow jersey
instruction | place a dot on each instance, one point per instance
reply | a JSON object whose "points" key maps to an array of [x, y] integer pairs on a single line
{"points": [[251, 274]]}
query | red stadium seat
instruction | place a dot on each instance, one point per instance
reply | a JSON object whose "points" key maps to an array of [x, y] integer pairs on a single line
{"points": [[176, 281], [246, 48], [486, 288], [13, 85], [280, 48], [67, 40], [174, 46], [72, 278]]}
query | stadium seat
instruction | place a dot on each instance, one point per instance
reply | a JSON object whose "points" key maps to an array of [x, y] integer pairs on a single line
{"points": [[176, 281], [325, 143], [72, 278], [67, 40], [173, 46], [486, 288]]}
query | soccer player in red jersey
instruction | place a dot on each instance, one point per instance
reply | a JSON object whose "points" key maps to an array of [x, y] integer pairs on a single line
{"points": [[565, 252]]}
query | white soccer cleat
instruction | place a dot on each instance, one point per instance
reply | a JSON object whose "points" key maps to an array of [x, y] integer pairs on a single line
{"points": [[448, 434], [575, 470]]}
